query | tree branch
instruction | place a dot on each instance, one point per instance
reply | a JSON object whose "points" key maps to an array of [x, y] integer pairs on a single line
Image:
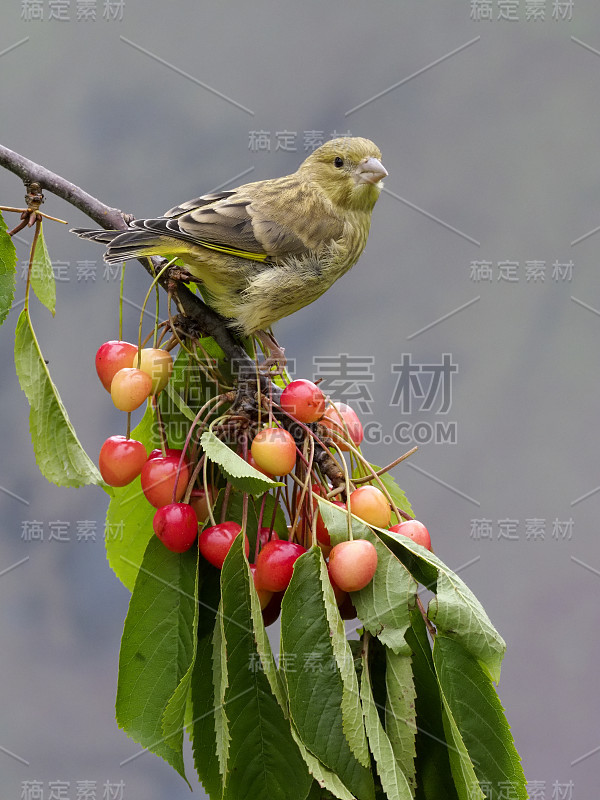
{"points": [[208, 321]]}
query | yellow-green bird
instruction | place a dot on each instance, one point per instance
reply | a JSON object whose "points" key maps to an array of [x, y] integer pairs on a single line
{"points": [[267, 248]]}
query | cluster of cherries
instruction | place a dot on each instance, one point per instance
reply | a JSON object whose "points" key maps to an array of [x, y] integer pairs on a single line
{"points": [[165, 475]]}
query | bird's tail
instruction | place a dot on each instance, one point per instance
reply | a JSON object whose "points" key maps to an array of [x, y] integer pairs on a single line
{"points": [[123, 245]]}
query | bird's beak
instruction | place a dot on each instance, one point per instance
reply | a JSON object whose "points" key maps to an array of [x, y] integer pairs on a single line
{"points": [[370, 170]]}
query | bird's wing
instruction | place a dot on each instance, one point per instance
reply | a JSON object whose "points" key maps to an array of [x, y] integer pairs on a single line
{"points": [[232, 222]]}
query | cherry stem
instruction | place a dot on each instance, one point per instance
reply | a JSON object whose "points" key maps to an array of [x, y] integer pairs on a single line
{"points": [[383, 470], [209, 497]]}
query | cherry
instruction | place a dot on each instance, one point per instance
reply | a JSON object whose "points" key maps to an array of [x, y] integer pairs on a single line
{"points": [[158, 480], [263, 594], [275, 564], [304, 400], [200, 501], [158, 364], [265, 535], [111, 357], [274, 450], [415, 530], [271, 613], [215, 542], [176, 526], [371, 505], [121, 460], [322, 532], [352, 564], [347, 610], [169, 451], [250, 459], [340, 417], [129, 388]]}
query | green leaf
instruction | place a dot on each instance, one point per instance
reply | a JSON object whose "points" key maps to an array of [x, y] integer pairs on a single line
{"points": [[326, 778], [219, 675], [204, 741], [454, 609], [58, 452], [463, 773], [173, 720], [472, 701], [393, 779], [129, 516], [263, 759], [42, 277], [320, 696], [8, 265], [237, 471], [383, 606], [157, 646], [432, 762], [400, 717]]}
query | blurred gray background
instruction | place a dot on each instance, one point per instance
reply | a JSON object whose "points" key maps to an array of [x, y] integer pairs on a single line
{"points": [[488, 118]]}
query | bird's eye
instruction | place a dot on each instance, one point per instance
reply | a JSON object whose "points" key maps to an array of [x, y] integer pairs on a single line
{"points": [[339, 162]]}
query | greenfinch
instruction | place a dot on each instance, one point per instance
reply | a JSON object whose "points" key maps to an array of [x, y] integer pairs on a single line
{"points": [[268, 248]]}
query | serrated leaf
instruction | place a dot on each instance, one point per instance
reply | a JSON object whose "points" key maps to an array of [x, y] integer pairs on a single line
{"points": [[314, 683], [58, 452], [477, 712], [463, 774], [351, 711], [237, 471], [129, 515], [204, 705], [432, 761], [173, 719], [219, 676], [383, 606], [400, 716], [326, 778], [8, 265], [393, 779], [42, 277], [263, 759], [156, 647], [454, 609]]}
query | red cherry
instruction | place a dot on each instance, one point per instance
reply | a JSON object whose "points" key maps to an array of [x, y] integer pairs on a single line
{"points": [[340, 417], [176, 526], [304, 400], [271, 613], [415, 530], [121, 460], [129, 388], [169, 451], [371, 505], [265, 535], [215, 542], [352, 564], [111, 357], [158, 480], [275, 564], [274, 450], [263, 594]]}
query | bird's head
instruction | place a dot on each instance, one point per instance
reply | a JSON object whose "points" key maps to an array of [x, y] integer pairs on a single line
{"points": [[348, 170]]}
